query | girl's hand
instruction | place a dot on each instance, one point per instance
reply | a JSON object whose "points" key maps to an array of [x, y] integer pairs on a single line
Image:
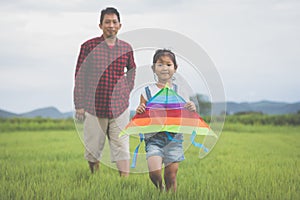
{"points": [[190, 106], [141, 108]]}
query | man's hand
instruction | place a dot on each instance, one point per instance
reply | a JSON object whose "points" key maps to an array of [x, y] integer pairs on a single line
{"points": [[80, 114]]}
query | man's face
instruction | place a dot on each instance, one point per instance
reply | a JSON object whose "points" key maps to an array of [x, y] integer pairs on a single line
{"points": [[110, 25]]}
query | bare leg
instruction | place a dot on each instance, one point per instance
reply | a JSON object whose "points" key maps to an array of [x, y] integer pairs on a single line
{"points": [[123, 166], [94, 166], [154, 166], [170, 176]]}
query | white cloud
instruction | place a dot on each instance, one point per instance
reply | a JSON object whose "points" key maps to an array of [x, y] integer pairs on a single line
{"points": [[255, 44]]}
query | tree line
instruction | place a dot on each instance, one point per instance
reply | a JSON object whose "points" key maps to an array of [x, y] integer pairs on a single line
{"points": [[247, 118], [256, 118], [35, 124]]}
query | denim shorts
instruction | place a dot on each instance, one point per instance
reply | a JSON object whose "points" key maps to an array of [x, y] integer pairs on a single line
{"points": [[159, 144]]}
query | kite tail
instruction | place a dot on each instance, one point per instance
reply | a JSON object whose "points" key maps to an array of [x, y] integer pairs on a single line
{"points": [[133, 164], [197, 144], [172, 138]]}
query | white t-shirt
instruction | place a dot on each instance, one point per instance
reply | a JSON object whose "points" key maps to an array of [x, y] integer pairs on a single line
{"points": [[154, 89]]}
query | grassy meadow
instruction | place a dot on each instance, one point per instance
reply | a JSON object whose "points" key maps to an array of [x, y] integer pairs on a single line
{"points": [[248, 162]]}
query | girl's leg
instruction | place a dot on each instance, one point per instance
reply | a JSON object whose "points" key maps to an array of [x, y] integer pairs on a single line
{"points": [[154, 166], [170, 176]]}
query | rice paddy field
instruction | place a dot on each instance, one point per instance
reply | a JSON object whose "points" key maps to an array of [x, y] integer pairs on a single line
{"points": [[248, 162]]}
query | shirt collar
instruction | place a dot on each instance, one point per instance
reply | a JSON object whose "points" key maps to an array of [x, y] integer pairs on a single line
{"points": [[117, 40]]}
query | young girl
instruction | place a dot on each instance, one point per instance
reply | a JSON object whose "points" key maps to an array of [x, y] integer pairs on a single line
{"points": [[159, 148]]}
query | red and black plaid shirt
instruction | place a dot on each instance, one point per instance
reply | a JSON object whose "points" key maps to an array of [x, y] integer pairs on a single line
{"points": [[102, 87]]}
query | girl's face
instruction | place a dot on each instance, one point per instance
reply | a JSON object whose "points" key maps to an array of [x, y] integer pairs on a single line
{"points": [[164, 69]]}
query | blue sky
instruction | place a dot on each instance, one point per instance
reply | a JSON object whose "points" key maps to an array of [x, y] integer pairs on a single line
{"points": [[254, 44]]}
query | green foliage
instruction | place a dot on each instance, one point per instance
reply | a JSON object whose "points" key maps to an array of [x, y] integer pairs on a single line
{"points": [[260, 119], [38, 124], [202, 103], [263, 164], [35, 124]]}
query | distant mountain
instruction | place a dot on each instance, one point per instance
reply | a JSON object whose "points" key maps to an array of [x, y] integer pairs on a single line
{"points": [[266, 107], [6, 114], [68, 114], [48, 112]]}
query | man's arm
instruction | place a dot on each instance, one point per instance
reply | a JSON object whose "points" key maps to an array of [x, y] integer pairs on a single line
{"points": [[131, 67], [79, 88]]}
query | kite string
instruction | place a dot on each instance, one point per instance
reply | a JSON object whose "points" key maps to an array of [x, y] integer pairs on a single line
{"points": [[133, 164], [172, 138], [199, 145]]}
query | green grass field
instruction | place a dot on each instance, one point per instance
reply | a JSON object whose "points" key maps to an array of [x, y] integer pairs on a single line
{"points": [[247, 163]]}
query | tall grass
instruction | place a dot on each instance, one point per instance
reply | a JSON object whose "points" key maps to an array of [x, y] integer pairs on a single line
{"points": [[243, 165]]}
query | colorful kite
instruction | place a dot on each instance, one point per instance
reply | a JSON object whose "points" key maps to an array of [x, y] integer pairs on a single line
{"points": [[165, 112]]}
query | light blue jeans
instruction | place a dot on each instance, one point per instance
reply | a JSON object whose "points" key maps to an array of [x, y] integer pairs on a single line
{"points": [[159, 144]]}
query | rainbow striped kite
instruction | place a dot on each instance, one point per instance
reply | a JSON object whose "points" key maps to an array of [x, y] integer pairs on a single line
{"points": [[165, 112]]}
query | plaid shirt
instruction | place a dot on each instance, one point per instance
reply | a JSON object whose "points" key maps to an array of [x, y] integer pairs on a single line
{"points": [[102, 87]]}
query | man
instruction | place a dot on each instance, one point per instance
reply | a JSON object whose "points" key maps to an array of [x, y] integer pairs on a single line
{"points": [[102, 91]]}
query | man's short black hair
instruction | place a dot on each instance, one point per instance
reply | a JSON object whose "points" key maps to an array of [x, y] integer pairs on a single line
{"points": [[109, 10]]}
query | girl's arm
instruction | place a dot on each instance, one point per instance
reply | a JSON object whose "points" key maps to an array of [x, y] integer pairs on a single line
{"points": [[142, 107]]}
